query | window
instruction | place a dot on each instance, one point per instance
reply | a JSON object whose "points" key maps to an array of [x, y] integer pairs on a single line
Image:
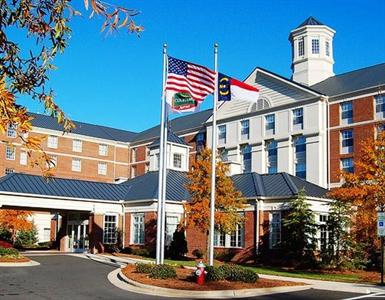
{"points": [[323, 232], [53, 162], [298, 119], [200, 141], [246, 158], [172, 222], [236, 238], [52, 141], [103, 150], [11, 131], [219, 239], [110, 232], [233, 240], [223, 154], [275, 229], [380, 128], [138, 229], [9, 171], [102, 168], [347, 165], [245, 129], [133, 171], [147, 153], [272, 155], [157, 160], [315, 46], [327, 48], [76, 165], [346, 112], [346, 141], [222, 134], [133, 155], [380, 106], [46, 234], [270, 124], [77, 146], [299, 143], [177, 160], [262, 103], [23, 158], [10, 152], [301, 47]]}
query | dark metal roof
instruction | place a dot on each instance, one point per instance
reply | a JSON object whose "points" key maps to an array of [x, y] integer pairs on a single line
{"points": [[60, 187], [103, 132], [310, 21], [172, 138], [177, 125], [146, 186], [360, 79], [275, 185]]}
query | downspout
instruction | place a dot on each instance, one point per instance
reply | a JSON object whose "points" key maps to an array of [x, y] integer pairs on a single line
{"points": [[328, 140], [114, 162], [123, 227], [257, 228]]}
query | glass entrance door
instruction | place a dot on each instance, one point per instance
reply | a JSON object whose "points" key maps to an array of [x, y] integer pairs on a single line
{"points": [[78, 237]]}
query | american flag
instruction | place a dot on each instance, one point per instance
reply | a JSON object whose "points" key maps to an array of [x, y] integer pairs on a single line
{"points": [[188, 78]]}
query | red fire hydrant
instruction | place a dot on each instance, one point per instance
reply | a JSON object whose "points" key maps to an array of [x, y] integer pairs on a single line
{"points": [[200, 273]]}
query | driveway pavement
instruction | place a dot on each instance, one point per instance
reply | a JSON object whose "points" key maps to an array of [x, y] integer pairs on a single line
{"points": [[69, 277]]}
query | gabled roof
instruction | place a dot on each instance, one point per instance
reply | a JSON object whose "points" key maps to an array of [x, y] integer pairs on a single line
{"points": [[98, 131], [179, 125], [310, 21], [349, 82], [172, 138], [60, 187], [146, 186], [254, 185]]}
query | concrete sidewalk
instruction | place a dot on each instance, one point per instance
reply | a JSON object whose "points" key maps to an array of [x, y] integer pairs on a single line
{"points": [[360, 288]]}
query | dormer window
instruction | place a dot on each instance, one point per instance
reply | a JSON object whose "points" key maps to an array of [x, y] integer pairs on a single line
{"points": [[177, 160], [315, 46], [301, 47]]}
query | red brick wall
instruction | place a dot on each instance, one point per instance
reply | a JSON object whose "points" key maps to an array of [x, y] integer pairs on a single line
{"points": [[363, 109], [334, 111]]}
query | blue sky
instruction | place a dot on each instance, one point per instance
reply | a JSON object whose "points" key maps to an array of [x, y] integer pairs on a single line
{"points": [[115, 80]]}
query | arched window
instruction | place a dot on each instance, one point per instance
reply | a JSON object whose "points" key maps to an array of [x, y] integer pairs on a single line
{"points": [[262, 103]]}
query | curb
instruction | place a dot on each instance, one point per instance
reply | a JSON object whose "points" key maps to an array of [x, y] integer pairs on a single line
{"points": [[108, 261], [118, 279], [30, 263]]}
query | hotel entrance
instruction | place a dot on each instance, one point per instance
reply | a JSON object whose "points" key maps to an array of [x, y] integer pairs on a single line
{"points": [[78, 233]]}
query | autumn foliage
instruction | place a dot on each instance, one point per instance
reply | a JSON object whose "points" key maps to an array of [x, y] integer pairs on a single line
{"points": [[15, 220], [228, 201], [365, 190]]}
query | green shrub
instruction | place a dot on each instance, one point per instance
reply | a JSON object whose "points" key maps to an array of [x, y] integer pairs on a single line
{"points": [[26, 238], [237, 273], [162, 272], [214, 273], [141, 252], [198, 253], [143, 268], [9, 252]]}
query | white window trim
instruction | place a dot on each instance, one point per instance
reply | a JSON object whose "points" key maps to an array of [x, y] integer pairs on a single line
{"points": [[23, 161], [105, 170], [181, 160], [102, 153], [77, 149], [13, 149], [240, 130], [132, 228], [50, 145], [271, 227], [228, 240], [80, 165], [116, 224]]}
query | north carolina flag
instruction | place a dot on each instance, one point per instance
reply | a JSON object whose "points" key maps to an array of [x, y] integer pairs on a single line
{"points": [[233, 89]]}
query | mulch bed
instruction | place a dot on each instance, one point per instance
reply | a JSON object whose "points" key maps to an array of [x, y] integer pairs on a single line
{"points": [[183, 282], [14, 260]]}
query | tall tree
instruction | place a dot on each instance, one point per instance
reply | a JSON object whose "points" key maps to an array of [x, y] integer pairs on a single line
{"points": [[15, 221], [299, 230], [24, 68], [228, 201], [365, 190]]}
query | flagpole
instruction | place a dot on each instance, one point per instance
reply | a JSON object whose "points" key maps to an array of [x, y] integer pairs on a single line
{"points": [[213, 160], [164, 186], [160, 167]]}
